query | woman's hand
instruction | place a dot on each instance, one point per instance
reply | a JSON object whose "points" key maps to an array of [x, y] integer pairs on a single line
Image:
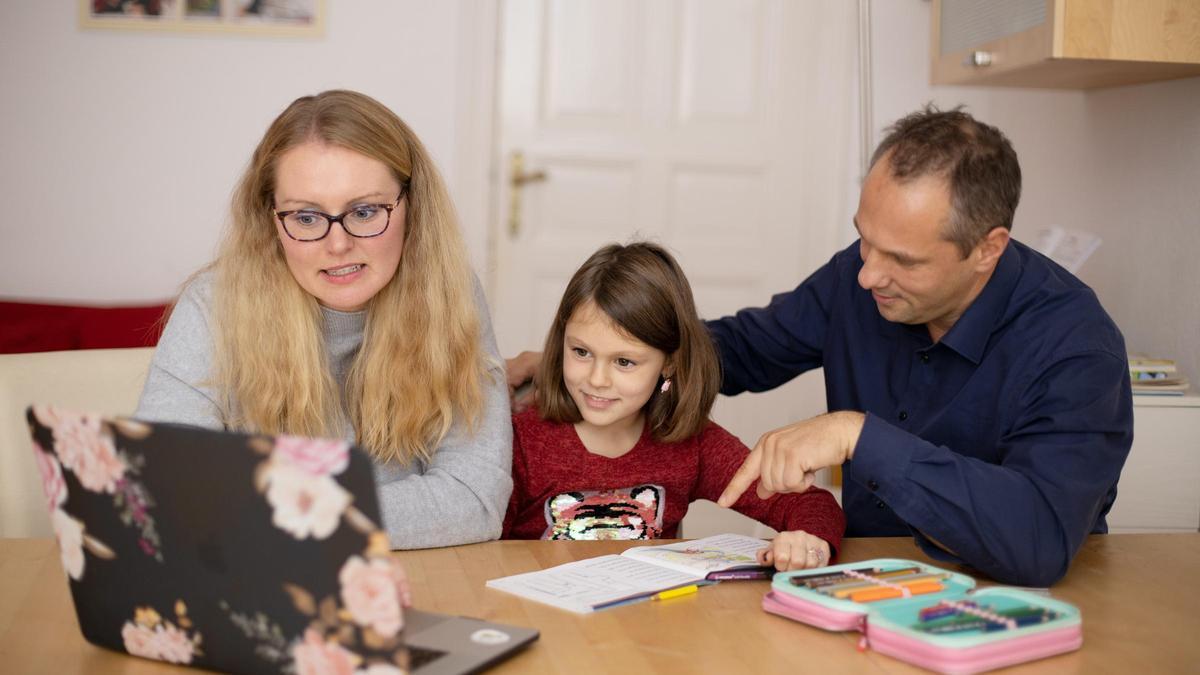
{"points": [[796, 550]]}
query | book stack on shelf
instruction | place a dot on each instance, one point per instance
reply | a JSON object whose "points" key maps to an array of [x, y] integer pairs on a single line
{"points": [[1156, 377]]}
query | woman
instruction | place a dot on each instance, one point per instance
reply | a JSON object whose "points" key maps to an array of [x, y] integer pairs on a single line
{"points": [[367, 325]]}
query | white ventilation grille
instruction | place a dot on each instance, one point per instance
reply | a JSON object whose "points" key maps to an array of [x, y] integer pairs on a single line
{"points": [[970, 23]]}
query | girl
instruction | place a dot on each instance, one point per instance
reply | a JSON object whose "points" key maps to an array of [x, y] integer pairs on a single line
{"points": [[366, 325], [620, 442]]}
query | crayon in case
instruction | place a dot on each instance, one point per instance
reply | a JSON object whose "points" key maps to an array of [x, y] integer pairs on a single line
{"points": [[926, 615]]}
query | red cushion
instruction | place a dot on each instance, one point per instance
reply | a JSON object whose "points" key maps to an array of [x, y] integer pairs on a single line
{"points": [[33, 327]]}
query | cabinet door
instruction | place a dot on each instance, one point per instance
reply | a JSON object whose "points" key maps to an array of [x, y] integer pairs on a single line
{"points": [[1069, 44], [1007, 35], [1159, 487]]}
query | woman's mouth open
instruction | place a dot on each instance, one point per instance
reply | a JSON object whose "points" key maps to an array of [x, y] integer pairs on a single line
{"points": [[344, 274]]}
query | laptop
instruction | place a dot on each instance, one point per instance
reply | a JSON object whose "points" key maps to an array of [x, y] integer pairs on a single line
{"points": [[238, 553]]}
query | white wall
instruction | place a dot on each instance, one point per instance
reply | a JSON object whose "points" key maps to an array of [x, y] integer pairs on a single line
{"points": [[1142, 164], [1122, 163], [1043, 125], [120, 149]]}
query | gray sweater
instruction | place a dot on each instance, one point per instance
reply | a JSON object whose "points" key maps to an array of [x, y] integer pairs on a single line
{"points": [[459, 497]]}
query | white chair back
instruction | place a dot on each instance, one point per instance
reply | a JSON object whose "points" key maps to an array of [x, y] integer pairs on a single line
{"points": [[107, 381]]}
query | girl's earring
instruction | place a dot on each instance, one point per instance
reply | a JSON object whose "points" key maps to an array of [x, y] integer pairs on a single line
{"points": [[666, 385]]}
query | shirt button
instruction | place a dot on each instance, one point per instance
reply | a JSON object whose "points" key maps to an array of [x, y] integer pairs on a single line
{"points": [[903, 415], [872, 485], [924, 357], [878, 504]]}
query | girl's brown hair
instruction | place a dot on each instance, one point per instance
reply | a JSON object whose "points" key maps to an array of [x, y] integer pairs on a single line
{"points": [[644, 292], [420, 366]]}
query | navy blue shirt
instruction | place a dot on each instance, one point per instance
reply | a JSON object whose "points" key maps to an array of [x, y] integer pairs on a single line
{"points": [[1003, 441]]}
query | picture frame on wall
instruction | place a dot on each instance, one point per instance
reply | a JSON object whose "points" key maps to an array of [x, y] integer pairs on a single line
{"points": [[300, 18]]}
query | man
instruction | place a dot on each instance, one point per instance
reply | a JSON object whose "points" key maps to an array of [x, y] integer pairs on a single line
{"points": [[981, 392], [984, 393]]}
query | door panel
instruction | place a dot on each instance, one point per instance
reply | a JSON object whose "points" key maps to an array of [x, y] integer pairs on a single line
{"points": [[721, 129]]}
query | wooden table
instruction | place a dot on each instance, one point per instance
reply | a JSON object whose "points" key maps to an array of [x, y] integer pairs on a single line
{"points": [[1139, 595]]}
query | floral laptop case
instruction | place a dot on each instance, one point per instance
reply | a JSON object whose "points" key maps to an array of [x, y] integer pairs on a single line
{"points": [[239, 553]]}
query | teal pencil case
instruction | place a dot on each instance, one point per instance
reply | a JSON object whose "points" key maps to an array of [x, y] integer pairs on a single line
{"points": [[926, 615]]}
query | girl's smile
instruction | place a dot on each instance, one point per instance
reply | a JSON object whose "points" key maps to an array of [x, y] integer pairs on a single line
{"points": [[610, 376]]}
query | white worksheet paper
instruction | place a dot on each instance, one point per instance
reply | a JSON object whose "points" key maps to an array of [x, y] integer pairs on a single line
{"points": [[581, 586]]}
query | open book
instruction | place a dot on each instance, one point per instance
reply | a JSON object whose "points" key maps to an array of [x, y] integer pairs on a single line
{"points": [[637, 573]]}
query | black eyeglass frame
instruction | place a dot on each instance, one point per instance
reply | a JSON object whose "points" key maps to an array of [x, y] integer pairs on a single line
{"points": [[339, 219]]}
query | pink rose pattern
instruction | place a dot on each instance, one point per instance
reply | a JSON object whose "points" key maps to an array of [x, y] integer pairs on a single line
{"points": [[370, 617], [371, 593], [53, 484], [152, 637], [85, 445], [316, 656], [304, 505], [318, 457], [298, 481], [69, 533]]}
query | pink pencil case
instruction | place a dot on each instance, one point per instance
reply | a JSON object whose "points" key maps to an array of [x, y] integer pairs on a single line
{"points": [[941, 622]]}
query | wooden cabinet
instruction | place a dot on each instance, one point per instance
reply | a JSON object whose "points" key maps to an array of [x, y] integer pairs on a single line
{"points": [[1068, 44], [1159, 490]]}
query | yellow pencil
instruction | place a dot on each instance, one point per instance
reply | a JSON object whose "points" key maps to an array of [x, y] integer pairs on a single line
{"points": [[676, 592]]}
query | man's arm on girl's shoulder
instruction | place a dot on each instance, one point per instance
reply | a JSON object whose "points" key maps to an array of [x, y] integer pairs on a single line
{"points": [[520, 371]]}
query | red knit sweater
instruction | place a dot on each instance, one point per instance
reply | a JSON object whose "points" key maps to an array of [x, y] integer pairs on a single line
{"points": [[562, 491]]}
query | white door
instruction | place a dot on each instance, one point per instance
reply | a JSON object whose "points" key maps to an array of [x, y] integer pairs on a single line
{"points": [[723, 129]]}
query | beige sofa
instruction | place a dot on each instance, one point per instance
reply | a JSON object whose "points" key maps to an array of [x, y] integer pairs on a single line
{"points": [[106, 381]]}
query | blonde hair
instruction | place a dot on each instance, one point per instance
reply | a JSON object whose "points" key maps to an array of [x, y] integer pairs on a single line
{"points": [[420, 364], [645, 293]]}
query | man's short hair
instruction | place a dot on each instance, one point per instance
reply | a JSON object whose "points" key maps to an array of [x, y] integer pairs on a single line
{"points": [[977, 161]]}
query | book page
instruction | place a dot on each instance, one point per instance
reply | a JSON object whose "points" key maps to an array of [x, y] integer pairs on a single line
{"points": [[581, 586], [701, 556]]}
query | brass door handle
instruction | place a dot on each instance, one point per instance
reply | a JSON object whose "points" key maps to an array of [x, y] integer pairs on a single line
{"points": [[518, 178]]}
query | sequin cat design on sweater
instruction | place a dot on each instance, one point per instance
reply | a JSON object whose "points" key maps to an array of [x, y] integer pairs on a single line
{"points": [[625, 513]]}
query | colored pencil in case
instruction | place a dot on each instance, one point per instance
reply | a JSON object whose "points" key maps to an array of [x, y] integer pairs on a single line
{"points": [[898, 573], [843, 591], [1030, 619], [963, 621], [974, 623], [942, 610], [878, 580], [887, 593], [959, 626], [811, 579], [824, 581]]}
